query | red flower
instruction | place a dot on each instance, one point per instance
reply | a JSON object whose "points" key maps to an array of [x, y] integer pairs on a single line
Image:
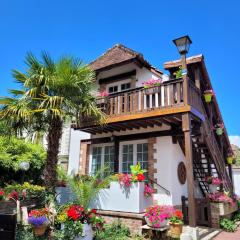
{"points": [[140, 177], [75, 212], [13, 195], [94, 211], [2, 192], [178, 214]]}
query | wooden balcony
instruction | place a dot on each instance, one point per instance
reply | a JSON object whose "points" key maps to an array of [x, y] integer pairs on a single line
{"points": [[150, 105]]}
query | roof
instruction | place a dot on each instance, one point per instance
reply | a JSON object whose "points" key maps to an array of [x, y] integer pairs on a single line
{"points": [[120, 55], [190, 60]]}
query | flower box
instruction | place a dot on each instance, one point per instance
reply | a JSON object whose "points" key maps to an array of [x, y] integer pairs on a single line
{"points": [[152, 90], [125, 199], [223, 209]]}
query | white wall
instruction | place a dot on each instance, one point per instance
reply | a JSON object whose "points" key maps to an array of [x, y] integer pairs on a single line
{"points": [[168, 157], [74, 150], [236, 180]]}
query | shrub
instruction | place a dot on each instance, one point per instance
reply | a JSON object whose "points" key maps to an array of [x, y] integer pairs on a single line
{"points": [[228, 225]]}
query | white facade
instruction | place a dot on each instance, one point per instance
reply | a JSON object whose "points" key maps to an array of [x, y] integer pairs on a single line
{"points": [[236, 179]]}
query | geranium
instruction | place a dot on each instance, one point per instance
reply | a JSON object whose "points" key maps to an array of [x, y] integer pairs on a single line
{"points": [[148, 191], [38, 212], [157, 214], [152, 83], [14, 195], [75, 212], [125, 180], [177, 217], [140, 177], [213, 180], [103, 94], [221, 198], [2, 193]]}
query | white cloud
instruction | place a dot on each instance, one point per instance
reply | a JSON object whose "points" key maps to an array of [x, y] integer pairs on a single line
{"points": [[235, 140]]}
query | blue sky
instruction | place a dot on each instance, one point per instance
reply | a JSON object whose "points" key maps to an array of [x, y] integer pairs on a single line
{"points": [[87, 28]]}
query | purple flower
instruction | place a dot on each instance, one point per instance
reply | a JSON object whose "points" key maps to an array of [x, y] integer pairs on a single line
{"points": [[37, 221]]}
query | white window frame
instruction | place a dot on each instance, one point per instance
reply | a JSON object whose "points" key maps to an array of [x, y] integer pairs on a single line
{"points": [[134, 151], [102, 154], [119, 83]]}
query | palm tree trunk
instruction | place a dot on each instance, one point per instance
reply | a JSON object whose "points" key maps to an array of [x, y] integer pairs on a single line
{"points": [[53, 139]]}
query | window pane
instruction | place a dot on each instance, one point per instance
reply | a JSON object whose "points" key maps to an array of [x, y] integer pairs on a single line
{"points": [[145, 147], [142, 156], [109, 159], [96, 159]]}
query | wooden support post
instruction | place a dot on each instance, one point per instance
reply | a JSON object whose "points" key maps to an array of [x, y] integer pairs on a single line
{"points": [[185, 80], [230, 173], [116, 155], [186, 125]]}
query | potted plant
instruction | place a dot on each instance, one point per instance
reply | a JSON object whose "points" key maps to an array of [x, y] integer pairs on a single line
{"points": [[2, 193], [38, 219], [214, 183], [102, 97], [78, 223], [219, 128], [176, 223], [178, 74], [157, 216], [152, 86], [208, 94]]}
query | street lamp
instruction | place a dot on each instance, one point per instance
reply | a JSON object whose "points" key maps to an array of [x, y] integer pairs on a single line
{"points": [[183, 44]]}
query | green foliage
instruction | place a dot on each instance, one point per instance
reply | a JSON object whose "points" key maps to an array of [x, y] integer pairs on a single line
{"points": [[26, 233], [86, 188], [228, 225], [236, 217], [12, 152]]}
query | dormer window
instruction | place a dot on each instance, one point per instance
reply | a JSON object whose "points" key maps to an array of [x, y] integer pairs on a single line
{"points": [[125, 86], [113, 89]]}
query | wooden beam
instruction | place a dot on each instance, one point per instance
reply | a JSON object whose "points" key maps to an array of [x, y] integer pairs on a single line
{"points": [[186, 126], [116, 155]]}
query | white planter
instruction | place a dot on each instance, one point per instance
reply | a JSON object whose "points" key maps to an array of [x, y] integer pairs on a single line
{"points": [[162, 224], [213, 188], [87, 233], [118, 198]]}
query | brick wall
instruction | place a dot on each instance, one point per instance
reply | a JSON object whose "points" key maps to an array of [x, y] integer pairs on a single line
{"points": [[84, 158], [151, 159], [133, 221]]}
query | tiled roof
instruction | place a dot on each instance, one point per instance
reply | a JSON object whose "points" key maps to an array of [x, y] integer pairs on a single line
{"points": [[117, 55]]}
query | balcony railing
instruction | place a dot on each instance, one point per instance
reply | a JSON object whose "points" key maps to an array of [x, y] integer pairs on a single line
{"points": [[141, 100]]}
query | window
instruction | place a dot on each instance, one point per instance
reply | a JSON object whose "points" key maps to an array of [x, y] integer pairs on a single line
{"points": [[113, 89], [109, 158], [102, 156], [127, 158], [142, 156], [133, 153], [125, 86], [96, 159]]}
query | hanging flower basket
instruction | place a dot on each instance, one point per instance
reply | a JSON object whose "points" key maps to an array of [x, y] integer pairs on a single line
{"points": [[219, 128], [208, 95]]}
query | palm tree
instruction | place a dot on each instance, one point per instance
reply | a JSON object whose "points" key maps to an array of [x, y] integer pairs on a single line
{"points": [[51, 93]]}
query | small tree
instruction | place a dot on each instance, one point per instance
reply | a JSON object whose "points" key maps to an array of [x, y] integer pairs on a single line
{"points": [[50, 93]]}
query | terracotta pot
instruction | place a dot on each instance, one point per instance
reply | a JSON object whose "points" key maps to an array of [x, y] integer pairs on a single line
{"points": [[175, 229], [207, 97], [40, 230]]}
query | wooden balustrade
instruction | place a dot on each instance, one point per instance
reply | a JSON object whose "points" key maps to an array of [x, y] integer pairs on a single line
{"points": [[138, 100]]}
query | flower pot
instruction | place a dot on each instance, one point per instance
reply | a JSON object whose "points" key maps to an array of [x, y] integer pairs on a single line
{"points": [[207, 97], [230, 160], [39, 230], [213, 188], [87, 233], [153, 225], [175, 229], [152, 90], [219, 131]]}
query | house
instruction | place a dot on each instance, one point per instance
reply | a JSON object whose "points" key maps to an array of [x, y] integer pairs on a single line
{"points": [[167, 129]]}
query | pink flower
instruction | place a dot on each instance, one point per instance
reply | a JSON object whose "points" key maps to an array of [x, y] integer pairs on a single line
{"points": [[103, 94], [152, 83], [148, 191]]}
